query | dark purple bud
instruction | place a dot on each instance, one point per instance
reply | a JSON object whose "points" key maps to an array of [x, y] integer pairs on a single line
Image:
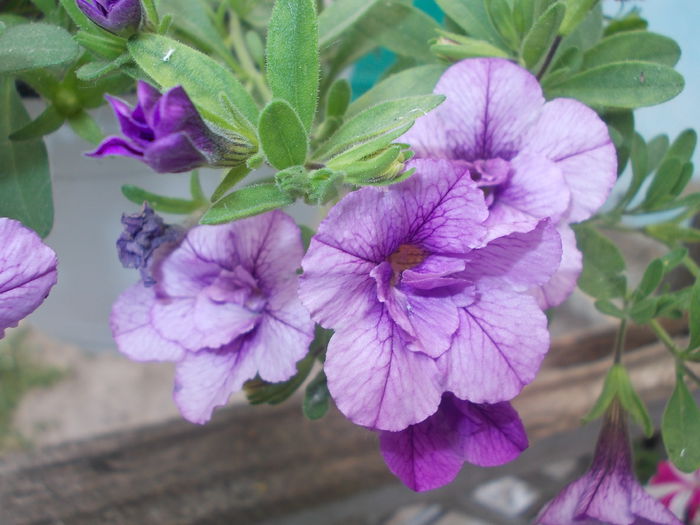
{"points": [[167, 133], [118, 16], [143, 234]]}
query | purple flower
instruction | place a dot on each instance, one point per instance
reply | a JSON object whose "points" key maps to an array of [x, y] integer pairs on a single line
{"points": [[27, 272], [117, 16], [534, 159], [609, 492], [167, 133], [430, 454], [143, 234], [225, 308], [419, 304]]}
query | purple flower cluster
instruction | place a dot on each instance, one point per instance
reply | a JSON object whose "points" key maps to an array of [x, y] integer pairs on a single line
{"points": [[25, 280], [167, 133]]}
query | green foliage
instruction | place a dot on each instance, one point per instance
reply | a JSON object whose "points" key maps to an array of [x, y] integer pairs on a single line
{"points": [[48, 122], [338, 98], [33, 46], [603, 266], [292, 56], [282, 135], [541, 35], [633, 45], [576, 12], [317, 399], [339, 16], [232, 177], [473, 18], [25, 183], [248, 201], [159, 202], [457, 47], [680, 428], [259, 391], [694, 317]]}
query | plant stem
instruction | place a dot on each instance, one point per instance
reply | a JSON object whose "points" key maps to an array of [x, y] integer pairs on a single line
{"points": [[692, 266], [664, 337], [692, 375], [151, 12], [241, 49], [620, 341], [550, 55]]}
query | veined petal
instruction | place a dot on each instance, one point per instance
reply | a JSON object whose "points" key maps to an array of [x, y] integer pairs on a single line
{"points": [[498, 348], [562, 283], [490, 105], [116, 146], [173, 154], [577, 140], [376, 381]]}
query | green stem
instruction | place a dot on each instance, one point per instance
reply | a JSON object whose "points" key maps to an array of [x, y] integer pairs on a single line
{"points": [[550, 56], [151, 13], [692, 266], [620, 341], [692, 375], [241, 49], [664, 337]]}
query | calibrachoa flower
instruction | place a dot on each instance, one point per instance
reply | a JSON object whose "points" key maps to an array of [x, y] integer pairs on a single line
{"points": [[534, 159], [678, 491], [143, 234], [224, 307], [420, 306], [609, 492], [117, 16], [27, 272], [430, 454], [167, 133]]}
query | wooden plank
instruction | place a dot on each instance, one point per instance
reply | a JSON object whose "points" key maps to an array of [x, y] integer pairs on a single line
{"points": [[255, 463]]}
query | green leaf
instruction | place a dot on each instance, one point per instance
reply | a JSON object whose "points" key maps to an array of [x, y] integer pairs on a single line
{"points": [[292, 56], [25, 183], [609, 308], [339, 16], [105, 45], [374, 170], [171, 63], [671, 233], [651, 279], [630, 84], [471, 15], [465, 47], [644, 310], [502, 19], [259, 392], [317, 397], [694, 317], [338, 98], [632, 403], [602, 264], [663, 182], [376, 121], [86, 127], [248, 201], [633, 45], [632, 22], [623, 122], [282, 135], [680, 428], [48, 122], [523, 15], [159, 202], [233, 177], [656, 149], [607, 395], [94, 70], [34, 46], [539, 39], [79, 18], [683, 147], [419, 80], [576, 12]]}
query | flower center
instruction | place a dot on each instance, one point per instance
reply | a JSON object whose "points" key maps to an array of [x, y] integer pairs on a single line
{"points": [[407, 256]]}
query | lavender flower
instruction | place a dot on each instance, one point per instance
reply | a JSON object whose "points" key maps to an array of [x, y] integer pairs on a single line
{"points": [[609, 492], [27, 272], [143, 234], [167, 133], [118, 16], [420, 304], [225, 308], [431, 454], [533, 159]]}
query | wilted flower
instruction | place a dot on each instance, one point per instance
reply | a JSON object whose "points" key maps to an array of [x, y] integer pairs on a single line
{"points": [[534, 160], [430, 454], [143, 234], [167, 133], [609, 492], [117, 16], [224, 307], [27, 272], [678, 491], [420, 306]]}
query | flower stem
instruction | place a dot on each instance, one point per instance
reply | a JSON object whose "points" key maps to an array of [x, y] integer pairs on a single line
{"points": [[664, 337], [620, 341], [550, 56]]}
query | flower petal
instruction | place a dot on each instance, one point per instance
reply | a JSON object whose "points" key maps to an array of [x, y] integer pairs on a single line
{"points": [[173, 154], [490, 105], [563, 282], [375, 380], [116, 146], [279, 342], [577, 140], [132, 330], [498, 348]]}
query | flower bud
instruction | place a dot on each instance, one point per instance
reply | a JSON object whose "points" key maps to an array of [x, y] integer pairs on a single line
{"points": [[117, 16]]}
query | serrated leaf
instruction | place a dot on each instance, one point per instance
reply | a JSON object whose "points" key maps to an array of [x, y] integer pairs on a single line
{"points": [[602, 264], [159, 202], [680, 428], [630, 84], [171, 63], [25, 182], [317, 397], [48, 122], [377, 120], [282, 135], [338, 98], [539, 39], [33, 46], [248, 201], [292, 56], [633, 45]]}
